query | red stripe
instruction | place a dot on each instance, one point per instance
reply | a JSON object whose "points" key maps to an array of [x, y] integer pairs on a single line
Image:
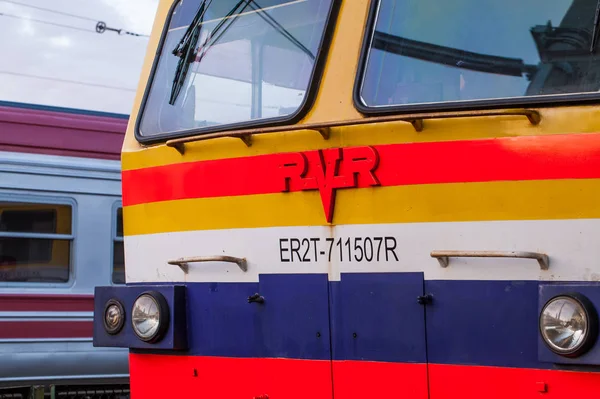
{"points": [[574, 156], [356, 379], [204, 377], [46, 329], [214, 377], [474, 382], [46, 303]]}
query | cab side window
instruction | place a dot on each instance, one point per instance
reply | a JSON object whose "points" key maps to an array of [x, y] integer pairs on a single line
{"points": [[35, 242]]}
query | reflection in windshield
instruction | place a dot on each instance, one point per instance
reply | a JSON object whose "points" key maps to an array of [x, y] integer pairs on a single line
{"points": [[226, 62], [484, 50]]}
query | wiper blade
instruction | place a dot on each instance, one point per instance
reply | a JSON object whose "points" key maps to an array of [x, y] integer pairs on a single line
{"points": [[595, 30], [197, 21], [452, 56], [185, 50]]}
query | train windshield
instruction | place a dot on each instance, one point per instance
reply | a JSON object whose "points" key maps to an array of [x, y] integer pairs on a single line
{"points": [[231, 62], [427, 51]]}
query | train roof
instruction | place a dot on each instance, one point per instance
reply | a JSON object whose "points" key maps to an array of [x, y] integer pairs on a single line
{"points": [[61, 131]]}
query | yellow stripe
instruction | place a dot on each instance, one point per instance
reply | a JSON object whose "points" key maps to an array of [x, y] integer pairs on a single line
{"points": [[523, 200], [561, 121]]}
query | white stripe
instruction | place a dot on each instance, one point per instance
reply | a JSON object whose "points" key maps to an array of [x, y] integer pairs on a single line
{"points": [[34, 315], [571, 245]]}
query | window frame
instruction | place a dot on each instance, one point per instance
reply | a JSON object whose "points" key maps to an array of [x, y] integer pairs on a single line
{"points": [[115, 238], [445, 106], [72, 238], [305, 106]]}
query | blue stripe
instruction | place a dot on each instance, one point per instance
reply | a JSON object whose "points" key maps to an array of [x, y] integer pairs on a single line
{"points": [[375, 317], [292, 323], [492, 323]]}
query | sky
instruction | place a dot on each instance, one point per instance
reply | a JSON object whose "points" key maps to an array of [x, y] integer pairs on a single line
{"points": [[49, 58]]}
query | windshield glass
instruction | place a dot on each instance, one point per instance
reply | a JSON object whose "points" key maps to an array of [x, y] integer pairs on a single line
{"points": [[427, 51], [227, 61]]}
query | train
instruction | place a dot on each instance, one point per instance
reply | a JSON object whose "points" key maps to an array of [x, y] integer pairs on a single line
{"points": [[61, 235], [362, 199], [66, 91]]}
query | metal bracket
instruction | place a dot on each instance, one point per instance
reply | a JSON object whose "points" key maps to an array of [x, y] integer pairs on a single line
{"points": [[324, 128], [256, 298], [532, 116], [443, 256], [183, 263], [180, 147], [417, 124], [246, 138], [325, 132]]}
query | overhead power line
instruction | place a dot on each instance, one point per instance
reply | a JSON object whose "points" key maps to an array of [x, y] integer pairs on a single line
{"points": [[39, 21], [77, 82], [50, 10], [100, 27]]}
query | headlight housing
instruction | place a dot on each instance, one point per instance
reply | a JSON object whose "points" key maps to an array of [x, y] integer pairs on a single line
{"points": [[150, 316], [569, 324], [113, 316]]}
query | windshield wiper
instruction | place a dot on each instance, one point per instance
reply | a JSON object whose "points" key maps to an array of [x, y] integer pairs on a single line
{"points": [[451, 56], [595, 30], [185, 50]]}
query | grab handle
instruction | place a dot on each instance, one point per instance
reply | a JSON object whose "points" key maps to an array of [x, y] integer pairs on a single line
{"points": [[443, 256], [183, 263]]}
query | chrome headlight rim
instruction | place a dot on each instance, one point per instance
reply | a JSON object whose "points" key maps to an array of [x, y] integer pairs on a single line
{"points": [[591, 333], [163, 316], [112, 330]]}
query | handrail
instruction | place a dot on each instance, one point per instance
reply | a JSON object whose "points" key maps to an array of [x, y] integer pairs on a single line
{"points": [[324, 128], [183, 263], [443, 256]]}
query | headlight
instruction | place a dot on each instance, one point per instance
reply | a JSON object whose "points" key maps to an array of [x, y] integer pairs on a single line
{"points": [[114, 316], [568, 324], [150, 316]]}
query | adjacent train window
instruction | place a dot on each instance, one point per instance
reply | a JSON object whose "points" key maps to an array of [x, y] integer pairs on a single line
{"points": [[427, 52], [229, 62], [118, 270], [35, 242]]}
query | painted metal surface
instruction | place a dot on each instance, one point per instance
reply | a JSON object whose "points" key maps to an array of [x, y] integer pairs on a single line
{"points": [[324, 128], [47, 131], [61, 361], [355, 266]]}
